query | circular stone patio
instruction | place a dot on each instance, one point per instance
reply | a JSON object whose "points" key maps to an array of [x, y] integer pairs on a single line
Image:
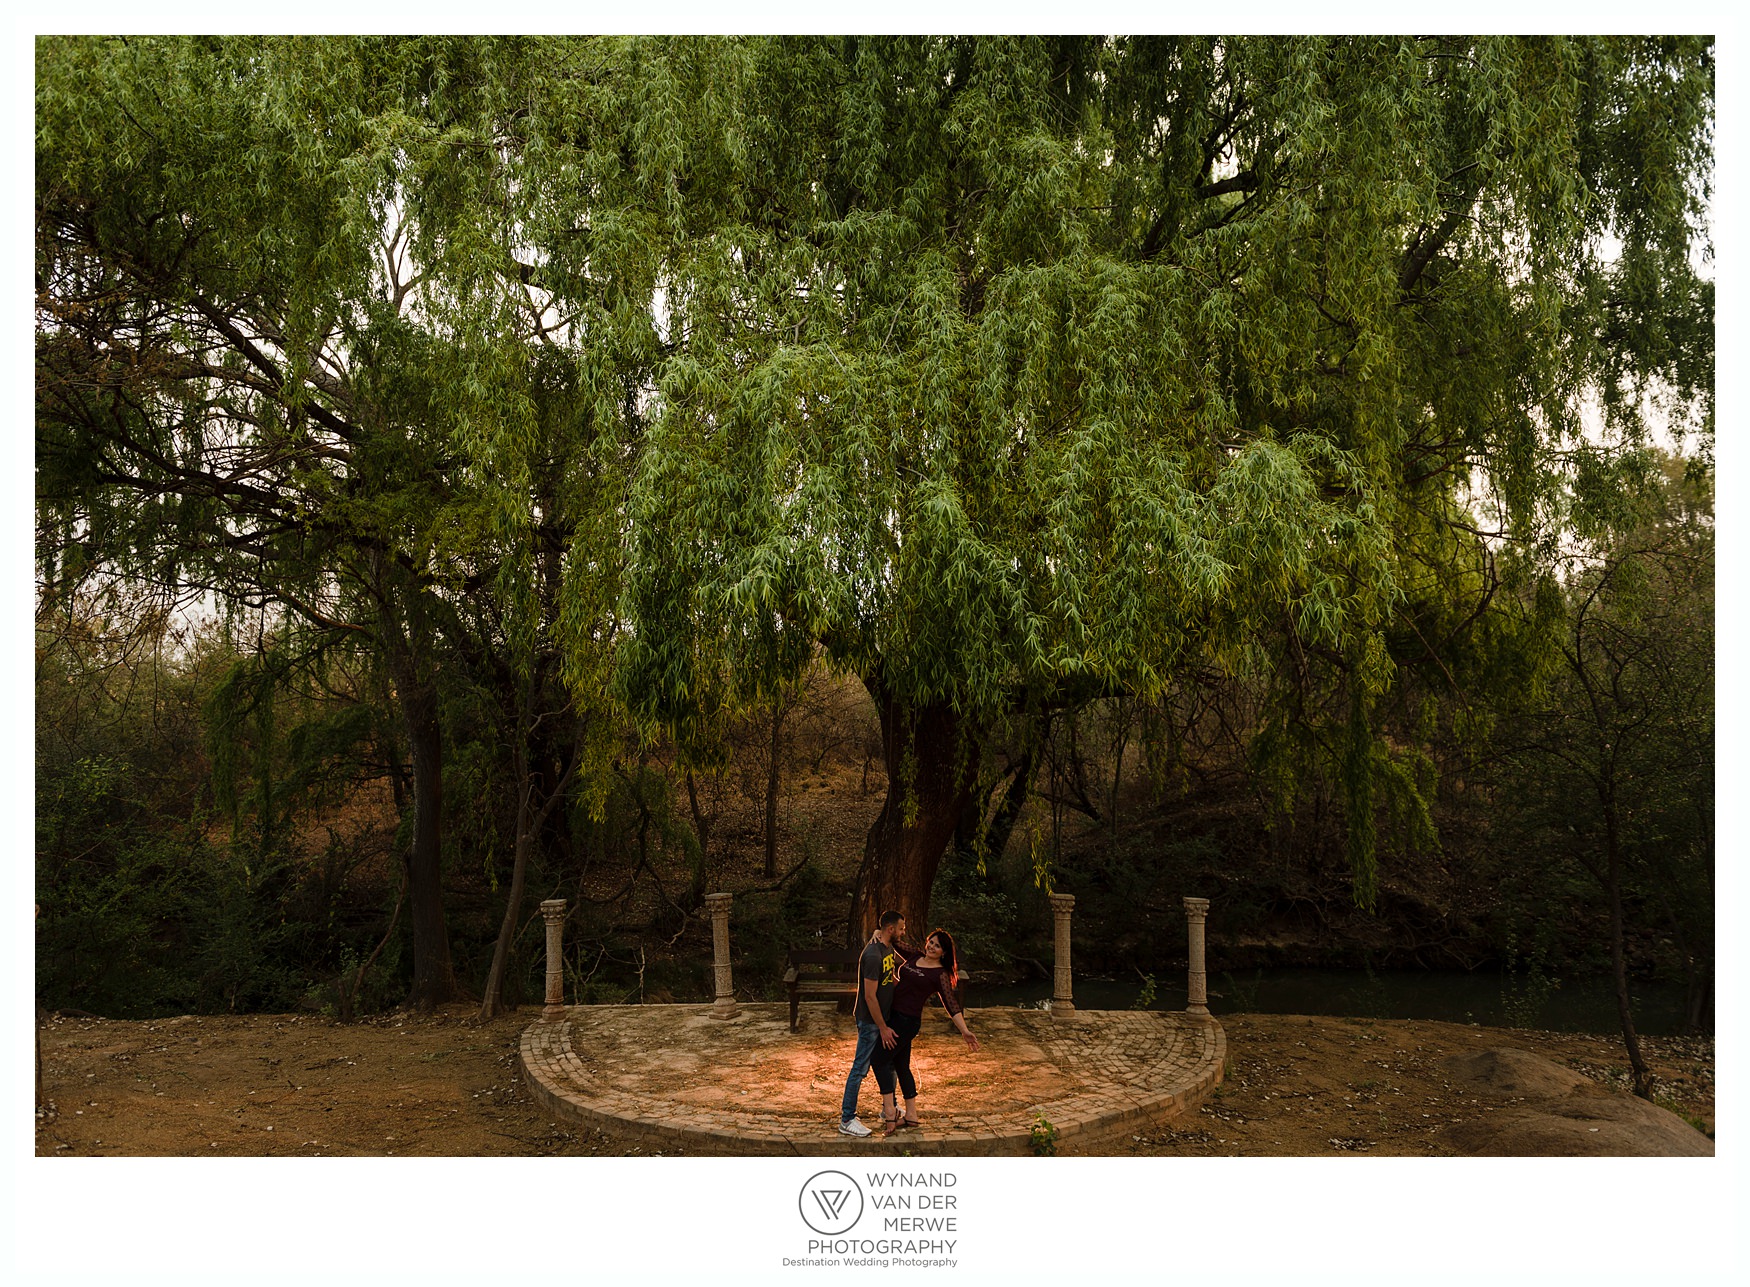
{"points": [[672, 1075]]}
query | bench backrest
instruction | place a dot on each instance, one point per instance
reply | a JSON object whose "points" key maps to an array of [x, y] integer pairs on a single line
{"points": [[844, 958]]}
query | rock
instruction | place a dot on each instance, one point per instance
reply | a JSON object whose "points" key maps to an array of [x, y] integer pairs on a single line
{"points": [[1602, 1124], [1562, 1113], [1505, 1071]]}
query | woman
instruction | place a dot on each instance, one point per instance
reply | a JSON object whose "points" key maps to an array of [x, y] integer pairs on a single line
{"points": [[934, 971]]}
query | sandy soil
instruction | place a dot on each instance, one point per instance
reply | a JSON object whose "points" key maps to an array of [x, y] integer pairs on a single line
{"points": [[441, 1085]]}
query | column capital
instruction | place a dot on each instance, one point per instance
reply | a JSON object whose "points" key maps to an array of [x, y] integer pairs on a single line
{"points": [[1062, 902], [1196, 906], [718, 903], [553, 909]]}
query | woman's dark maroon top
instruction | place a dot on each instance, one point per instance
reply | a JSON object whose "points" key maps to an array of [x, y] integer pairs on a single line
{"points": [[911, 992]]}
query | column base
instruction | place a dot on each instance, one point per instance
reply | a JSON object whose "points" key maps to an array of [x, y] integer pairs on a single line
{"points": [[723, 1008], [1064, 1010], [552, 1012], [1197, 1009]]}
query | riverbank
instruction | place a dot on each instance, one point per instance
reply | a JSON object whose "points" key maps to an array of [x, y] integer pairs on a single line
{"points": [[441, 1086]]}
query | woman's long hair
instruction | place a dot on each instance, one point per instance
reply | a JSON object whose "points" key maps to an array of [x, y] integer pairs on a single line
{"points": [[950, 958]]}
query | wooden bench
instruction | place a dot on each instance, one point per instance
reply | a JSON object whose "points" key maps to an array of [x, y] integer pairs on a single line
{"points": [[833, 974], [822, 974]]}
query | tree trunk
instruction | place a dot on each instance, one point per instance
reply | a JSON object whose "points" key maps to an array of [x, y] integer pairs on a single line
{"points": [[1643, 1077], [404, 637], [1698, 1012], [702, 832], [931, 772], [969, 843], [772, 787], [529, 823], [526, 824], [434, 981], [1117, 777], [38, 1026]]}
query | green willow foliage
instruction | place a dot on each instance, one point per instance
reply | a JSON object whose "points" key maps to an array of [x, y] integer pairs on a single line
{"points": [[1012, 372], [355, 329], [306, 299], [1010, 367]]}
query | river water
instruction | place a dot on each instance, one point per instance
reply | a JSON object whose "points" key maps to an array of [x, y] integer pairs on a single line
{"points": [[1495, 1000]]}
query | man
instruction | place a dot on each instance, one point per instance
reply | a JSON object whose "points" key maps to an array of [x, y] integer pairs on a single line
{"points": [[877, 969]]}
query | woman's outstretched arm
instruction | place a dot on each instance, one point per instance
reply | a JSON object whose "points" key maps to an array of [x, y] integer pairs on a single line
{"points": [[960, 1023]]}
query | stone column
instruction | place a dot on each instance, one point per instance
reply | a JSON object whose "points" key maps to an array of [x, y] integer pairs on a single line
{"points": [[718, 905], [1061, 1005], [1197, 981], [553, 912]]}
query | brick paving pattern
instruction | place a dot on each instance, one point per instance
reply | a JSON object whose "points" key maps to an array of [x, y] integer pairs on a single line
{"points": [[747, 1085]]}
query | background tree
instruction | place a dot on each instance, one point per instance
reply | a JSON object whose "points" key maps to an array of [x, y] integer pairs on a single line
{"points": [[1612, 766], [207, 267], [292, 351]]}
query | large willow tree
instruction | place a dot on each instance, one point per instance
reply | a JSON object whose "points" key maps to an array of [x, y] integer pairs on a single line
{"points": [[1014, 372]]}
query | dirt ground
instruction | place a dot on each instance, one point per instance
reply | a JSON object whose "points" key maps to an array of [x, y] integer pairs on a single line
{"points": [[1301, 1086], [441, 1085]]}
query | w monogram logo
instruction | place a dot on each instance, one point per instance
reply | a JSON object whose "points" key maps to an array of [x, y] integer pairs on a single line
{"points": [[831, 1202]]}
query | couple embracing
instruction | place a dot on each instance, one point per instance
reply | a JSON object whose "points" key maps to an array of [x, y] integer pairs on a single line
{"points": [[894, 983]]}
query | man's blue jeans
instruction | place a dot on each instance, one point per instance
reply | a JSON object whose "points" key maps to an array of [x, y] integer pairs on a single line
{"points": [[868, 1037]]}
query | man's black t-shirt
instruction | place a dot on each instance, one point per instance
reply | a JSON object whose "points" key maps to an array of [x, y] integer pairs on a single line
{"points": [[881, 963]]}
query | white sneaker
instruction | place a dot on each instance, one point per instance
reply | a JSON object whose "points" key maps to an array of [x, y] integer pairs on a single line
{"points": [[854, 1127]]}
